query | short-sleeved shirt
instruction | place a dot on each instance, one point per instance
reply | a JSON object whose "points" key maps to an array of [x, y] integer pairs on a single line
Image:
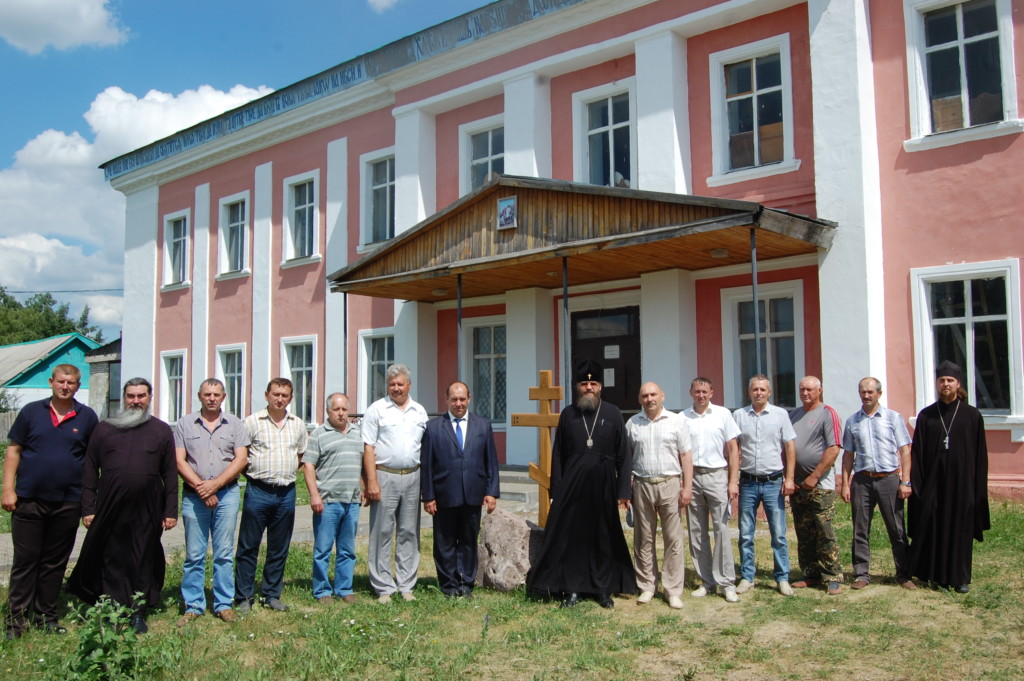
{"points": [[656, 444], [52, 456], [816, 431], [395, 433], [709, 432], [338, 460], [762, 437], [210, 452], [274, 452], [875, 440]]}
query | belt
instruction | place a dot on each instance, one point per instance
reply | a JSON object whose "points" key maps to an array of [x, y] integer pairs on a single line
{"points": [[398, 471], [656, 479], [872, 474], [268, 486], [761, 478], [706, 469]]}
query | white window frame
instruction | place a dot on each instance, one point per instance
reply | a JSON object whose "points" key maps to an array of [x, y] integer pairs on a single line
{"points": [[921, 135], [286, 371], [924, 363], [731, 297], [366, 192], [224, 270], [165, 384], [288, 257], [468, 325], [581, 149], [222, 376], [365, 337], [168, 283], [466, 132], [717, 61]]}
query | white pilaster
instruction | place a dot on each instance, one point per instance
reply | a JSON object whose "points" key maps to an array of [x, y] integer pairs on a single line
{"points": [[529, 325], [262, 293], [200, 294], [415, 168], [141, 285], [528, 126], [663, 121], [847, 191], [668, 317], [416, 347], [335, 374]]}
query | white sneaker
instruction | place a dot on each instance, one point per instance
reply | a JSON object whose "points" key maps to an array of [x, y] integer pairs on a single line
{"points": [[645, 597], [384, 599], [702, 591], [785, 589], [731, 597], [744, 586], [675, 602]]}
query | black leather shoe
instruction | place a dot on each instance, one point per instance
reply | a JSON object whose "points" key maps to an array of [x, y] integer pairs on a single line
{"points": [[605, 601], [138, 623], [466, 592], [570, 600], [54, 628], [963, 589]]}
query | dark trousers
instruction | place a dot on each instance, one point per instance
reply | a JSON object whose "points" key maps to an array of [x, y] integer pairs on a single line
{"points": [[270, 508], [43, 534], [867, 492], [455, 552]]}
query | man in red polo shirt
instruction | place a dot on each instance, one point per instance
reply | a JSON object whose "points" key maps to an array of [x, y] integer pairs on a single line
{"points": [[42, 489]]}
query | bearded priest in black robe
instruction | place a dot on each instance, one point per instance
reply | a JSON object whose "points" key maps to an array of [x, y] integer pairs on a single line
{"points": [[129, 497], [585, 551], [948, 506]]}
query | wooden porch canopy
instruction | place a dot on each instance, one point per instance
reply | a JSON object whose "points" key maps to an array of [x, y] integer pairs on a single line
{"points": [[604, 233]]}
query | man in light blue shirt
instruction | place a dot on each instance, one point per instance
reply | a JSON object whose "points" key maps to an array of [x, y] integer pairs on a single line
{"points": [[767, 464], [876, 472]]}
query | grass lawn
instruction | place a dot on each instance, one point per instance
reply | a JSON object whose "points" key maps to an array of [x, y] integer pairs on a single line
{"points": [[880, 633]]}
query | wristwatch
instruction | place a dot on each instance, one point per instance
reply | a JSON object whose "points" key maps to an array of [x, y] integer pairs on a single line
{"points": [[905, 483]]}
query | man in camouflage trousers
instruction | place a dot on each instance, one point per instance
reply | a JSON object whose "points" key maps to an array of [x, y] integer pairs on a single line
{"points": [[818, 439]]}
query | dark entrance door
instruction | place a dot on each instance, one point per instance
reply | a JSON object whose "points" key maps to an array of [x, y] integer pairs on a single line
{"points": [[611, 338]]}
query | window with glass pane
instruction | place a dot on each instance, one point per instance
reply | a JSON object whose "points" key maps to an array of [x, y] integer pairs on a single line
{"points": [[778, 347], [753, 90], [231, 368], [970, 326], [488, 156], [303, 203], [489, 374], [177, 245], [382, 199], [962, 65], [234, 238], [608, 141], [300, 365], [382, 355], [174, 368]]}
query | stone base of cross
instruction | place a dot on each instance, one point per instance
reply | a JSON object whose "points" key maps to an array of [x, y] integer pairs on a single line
{"points": [[545, 421]]}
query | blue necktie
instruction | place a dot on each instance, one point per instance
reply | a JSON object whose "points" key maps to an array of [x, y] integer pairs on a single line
{"points": [[458, 433]]}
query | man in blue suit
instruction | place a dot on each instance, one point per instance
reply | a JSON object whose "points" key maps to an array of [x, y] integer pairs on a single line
{"points": [[458, 475]]}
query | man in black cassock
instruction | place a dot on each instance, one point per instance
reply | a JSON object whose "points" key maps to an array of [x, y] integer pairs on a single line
{"points": [[948, 508], [584, 551], [129, 497]]}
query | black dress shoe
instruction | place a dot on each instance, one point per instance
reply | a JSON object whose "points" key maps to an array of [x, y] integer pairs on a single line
{"points": [[605, 601], [138, 623], [570, 600], [466, 592], [963, 589], [54, 628]]}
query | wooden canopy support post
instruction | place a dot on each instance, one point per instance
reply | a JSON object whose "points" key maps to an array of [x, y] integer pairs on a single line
{"points": [[545, 420]]}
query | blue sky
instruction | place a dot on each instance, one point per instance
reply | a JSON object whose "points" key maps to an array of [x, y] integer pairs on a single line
{"points": [[87, 80]]}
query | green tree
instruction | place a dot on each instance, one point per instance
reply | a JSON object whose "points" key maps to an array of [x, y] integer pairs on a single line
{"points": [[41, 317]]}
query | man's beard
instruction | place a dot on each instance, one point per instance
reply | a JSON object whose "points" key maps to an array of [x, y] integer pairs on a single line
{"points": [[588, 401], [127, 419]]}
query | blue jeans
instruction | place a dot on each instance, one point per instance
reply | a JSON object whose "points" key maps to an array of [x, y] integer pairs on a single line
{"points": [[770, 494], [336, 525], [270, 508], [201, 524]]}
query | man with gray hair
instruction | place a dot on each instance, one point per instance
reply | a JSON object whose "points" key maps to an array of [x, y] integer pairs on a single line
{"points": [[211, 447], [393, 429]]}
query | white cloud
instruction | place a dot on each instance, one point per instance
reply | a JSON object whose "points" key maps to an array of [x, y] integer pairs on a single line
{"points": [[381, 5], [34, 25], [61, 224]]}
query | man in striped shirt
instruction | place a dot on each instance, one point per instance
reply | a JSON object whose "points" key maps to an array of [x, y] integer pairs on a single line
{"points": [[818, 437]]}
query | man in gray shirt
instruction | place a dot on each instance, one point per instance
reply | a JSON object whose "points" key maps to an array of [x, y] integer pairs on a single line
{"points": [[211, 447], [332, 465]]}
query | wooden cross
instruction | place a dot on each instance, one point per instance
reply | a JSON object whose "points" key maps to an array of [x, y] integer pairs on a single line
{"points": [[544, 421]]}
